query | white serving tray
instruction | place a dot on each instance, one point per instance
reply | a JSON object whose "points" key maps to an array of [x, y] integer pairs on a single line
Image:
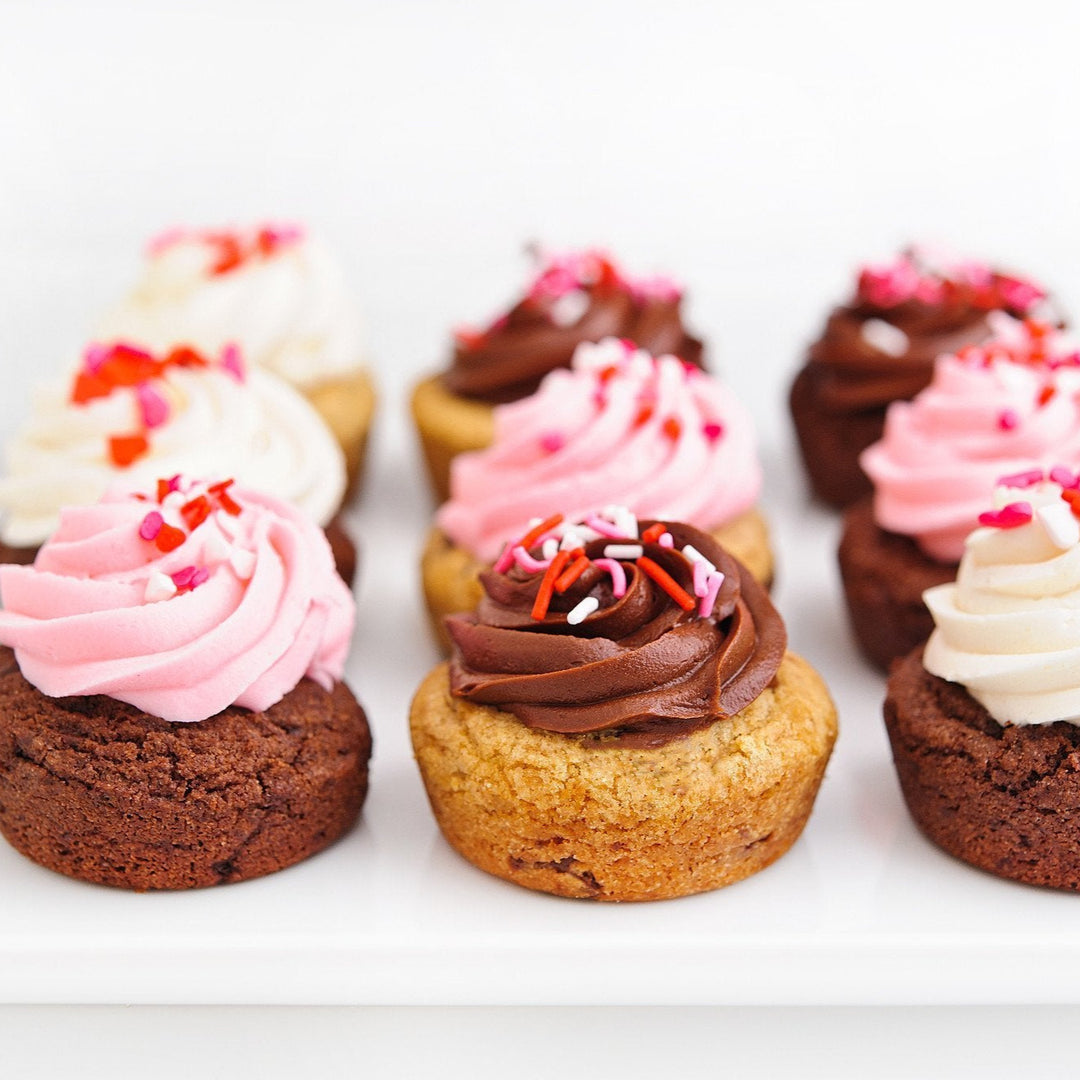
{"points": [[861, 910]]}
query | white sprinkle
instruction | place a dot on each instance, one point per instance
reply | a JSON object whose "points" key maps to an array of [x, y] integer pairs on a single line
{"points": [[694, 555], [666, 540], [549, 547], [595, 357], [623, 551], [174, 500], [1061, 526], [216, 548], [243, 563], [885, 337], [623, 520], [160, 586], [568, 308], [226, 523], [582, 611], [570, 540]]}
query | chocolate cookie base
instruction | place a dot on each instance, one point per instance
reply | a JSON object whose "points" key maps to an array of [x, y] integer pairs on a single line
{"points": [[832, 442], [884, 577], [97, 790], [1004, 799], [344, 551]]}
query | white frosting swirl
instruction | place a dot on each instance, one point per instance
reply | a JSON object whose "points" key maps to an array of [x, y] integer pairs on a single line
{"points": [[1008, 629], [260, 431], [289, 311]]}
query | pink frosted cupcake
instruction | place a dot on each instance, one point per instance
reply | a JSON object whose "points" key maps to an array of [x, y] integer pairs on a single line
{"points": [[620, 426], [1002, 409]]}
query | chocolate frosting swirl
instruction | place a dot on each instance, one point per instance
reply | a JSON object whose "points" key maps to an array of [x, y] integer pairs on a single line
{"points": [[507, 361], [640, 668]]}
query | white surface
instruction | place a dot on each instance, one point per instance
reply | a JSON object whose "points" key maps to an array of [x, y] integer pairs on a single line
{"points": [[758, 153]]}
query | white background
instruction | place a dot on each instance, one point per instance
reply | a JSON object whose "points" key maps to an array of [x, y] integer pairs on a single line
{"points": [[758, 151]]}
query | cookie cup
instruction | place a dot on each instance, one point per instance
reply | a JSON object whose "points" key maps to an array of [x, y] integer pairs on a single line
{"points": [[449, 573], [590, 817], [447, 425], [347, 405]]}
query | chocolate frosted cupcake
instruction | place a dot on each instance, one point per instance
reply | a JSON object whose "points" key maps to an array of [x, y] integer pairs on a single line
{"points": [[128, 416], [622, 721], [577, 297], [985, 725], [176, 718], [1005, 407], [621, 427], [276, 293], [880, 347]]}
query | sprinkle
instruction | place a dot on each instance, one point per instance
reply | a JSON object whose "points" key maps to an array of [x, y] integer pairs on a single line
{"points": [[1008, 419], [169, 538], [1061, 475], [1060, 524], [505, 559], [666, 540], [551, 441], [243, 563], [163, 241], [94, 356], [712, 430], [151, 525], [154, 408], [220, 492], [1025, 479], [182, 578], [708, 601], [652, 534], [644, 415], [196, 511], [167, 487], [527, 562], [1008, 517], [701, 576], [618, 575], [547, 584], [185, 356], [667, 583], [534, 534], [1045, 395], [159, 586], [576, 568], [549, 547], [883, 336], [604, 528], [231, 361], [201, 577], [215, 548], [571, 540], [88, 387], [695, 556], [124, 450], [1072, 497], [568, 309], [623, 519], [582, 611], [623, 551]]}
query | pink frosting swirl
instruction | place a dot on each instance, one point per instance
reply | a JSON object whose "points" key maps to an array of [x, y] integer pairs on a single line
{"points": [[620, 426], [993, 410], [244, 605]]}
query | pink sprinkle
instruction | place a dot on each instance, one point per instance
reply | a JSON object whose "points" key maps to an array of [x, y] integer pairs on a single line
{"points": [[165, 240], [1060, 475], [286, 234], [154, 408], [527, 562], [618, 575], [173, 483], [232, 362], [182, 578], [604, 528], [1008, 517], [1019, 295], [151, 525], [701, 579], [708, 601], [930, 291], [552, 441], [1022, 479], [1008, 419], [712, 430], [200, 577], [504, 561], [629, 347], [94, 356], [666, 540], [659, 287]]}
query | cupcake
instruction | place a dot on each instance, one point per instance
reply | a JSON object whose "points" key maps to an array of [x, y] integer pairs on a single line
{"points": [[622, 721], [1005, 407], [582, 296], [985, 723], [880, 347], [173, 714], [619, 427], [273, 291], [128, 417]]}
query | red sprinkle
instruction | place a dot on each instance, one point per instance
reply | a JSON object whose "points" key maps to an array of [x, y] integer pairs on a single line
{"points": [[668, 583], [644, 415], [534, 534], [88, 387], [169, 538], [712, 430], [196, 511], [653, 533], [1008, 517], [576, 568], [185, 356], [547, 584], [1045, 394], [672, 427], [126, 449]]}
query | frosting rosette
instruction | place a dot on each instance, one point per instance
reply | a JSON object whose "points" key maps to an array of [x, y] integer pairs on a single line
{"points": [[1008, 630], [881, 345], [128, 416], [642, 632], [994, 409], [180, 602], [272, 290], [575, 297], [620, 426]]}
